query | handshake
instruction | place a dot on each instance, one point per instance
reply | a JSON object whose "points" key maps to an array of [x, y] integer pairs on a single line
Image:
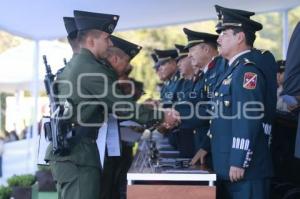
{"points": [[171, 119]]}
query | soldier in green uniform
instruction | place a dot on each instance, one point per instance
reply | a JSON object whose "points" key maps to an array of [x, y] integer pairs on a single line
{"points": [[91, 98]]}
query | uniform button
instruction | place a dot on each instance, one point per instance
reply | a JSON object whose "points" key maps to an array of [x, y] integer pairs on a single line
{"points": [[227, 103], [216, 94], [210, 121], [194, 131], [221, 95], [213, 108], [209, 134]]}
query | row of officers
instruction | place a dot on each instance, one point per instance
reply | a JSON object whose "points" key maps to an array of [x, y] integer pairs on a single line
{"points": [[218, 101]]}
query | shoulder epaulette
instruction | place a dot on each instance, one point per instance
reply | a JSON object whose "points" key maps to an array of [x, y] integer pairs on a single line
{"points": [[263, 51], [248, 62]]}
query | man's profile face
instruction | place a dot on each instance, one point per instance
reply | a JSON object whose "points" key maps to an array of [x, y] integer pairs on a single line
{"points": [[102, 42], [185, 66], [197, 54], [227, 41], [121, 65], [168, 69]]}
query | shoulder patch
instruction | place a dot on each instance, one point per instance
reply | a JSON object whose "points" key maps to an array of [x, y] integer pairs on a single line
{"points": [[250, 80]]}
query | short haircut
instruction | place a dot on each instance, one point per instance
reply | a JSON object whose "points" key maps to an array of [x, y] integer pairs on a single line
{"points": [[83, 34], [249, 36], [213, 45]]}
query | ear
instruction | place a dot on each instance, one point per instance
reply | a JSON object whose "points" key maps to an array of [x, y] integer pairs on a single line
{"points": [[241, 37], [206, 48], [90, 41], [115, 59]]}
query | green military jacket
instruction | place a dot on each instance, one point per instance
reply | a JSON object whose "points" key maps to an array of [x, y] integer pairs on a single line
{"points": [[93, 93]]}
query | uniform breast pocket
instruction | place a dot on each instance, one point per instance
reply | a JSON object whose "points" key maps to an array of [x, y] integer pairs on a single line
{"points": [[226, 98]]}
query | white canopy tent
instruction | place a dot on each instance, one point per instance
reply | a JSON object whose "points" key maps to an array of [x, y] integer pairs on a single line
{"points": [[42, 20], [16, 64]]}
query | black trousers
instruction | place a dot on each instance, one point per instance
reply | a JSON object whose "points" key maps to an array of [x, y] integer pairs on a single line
{"points": [[114, 175]]}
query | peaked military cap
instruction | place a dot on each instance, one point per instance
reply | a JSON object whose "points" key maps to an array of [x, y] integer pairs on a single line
{"points": [[181, 51], [155, 60], [281, 66], [127, 47], [70, 26], [195, 38], [165, 55], [243, 13], [237, 18], [99, 21]]}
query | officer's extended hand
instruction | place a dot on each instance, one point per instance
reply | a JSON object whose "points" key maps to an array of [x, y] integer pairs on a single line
{"points": [[236, 174], [200, 156], [171, 118]]}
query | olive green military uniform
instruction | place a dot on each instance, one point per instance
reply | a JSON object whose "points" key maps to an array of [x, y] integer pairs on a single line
{"points": [[78, 174]]}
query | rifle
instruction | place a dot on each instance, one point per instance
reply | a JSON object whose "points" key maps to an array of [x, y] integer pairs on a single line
{"points": [[56, 130]]}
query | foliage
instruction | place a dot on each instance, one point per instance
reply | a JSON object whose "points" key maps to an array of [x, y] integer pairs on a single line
{"points": [[8, 41], [5, 192], [21, 180], [294, 18], [43, 168]]}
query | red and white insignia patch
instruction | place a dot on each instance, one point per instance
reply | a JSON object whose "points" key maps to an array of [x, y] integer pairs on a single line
{"points": [[250, 80]]}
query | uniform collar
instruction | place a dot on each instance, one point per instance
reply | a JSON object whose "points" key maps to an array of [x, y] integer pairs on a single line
{"points": [[85, 51], [205, 68], [236, 56]]}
